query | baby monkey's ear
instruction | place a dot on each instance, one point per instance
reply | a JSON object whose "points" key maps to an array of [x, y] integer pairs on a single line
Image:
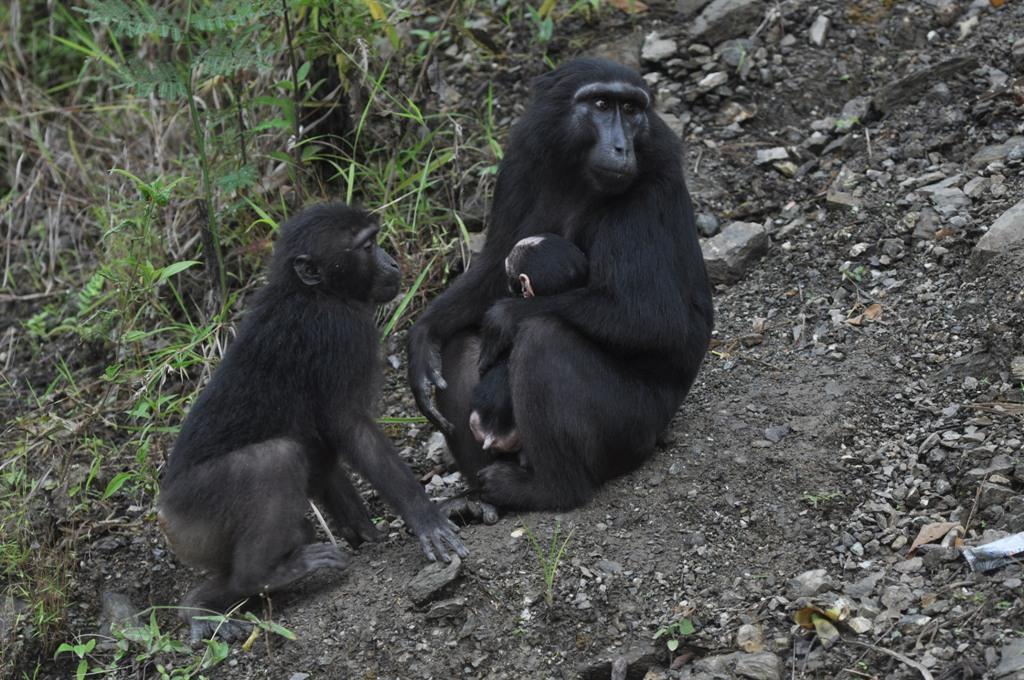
{"points": [[524, 281]]}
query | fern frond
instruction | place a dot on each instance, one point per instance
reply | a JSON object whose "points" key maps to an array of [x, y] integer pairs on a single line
{"points": [[227, 57], [162, 78], [91, 291], [228, 15], [133, 21]]}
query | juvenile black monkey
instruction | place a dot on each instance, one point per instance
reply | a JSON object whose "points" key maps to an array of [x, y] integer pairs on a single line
{"points": [[537, 265], [292, 397]]}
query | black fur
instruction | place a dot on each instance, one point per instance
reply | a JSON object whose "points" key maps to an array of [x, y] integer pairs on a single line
{"points": [[596, 372], [292, 396]]}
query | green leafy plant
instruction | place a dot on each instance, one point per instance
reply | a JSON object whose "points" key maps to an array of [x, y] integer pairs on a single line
{"points": [[674, 632], [543, 24], [148, 646]]}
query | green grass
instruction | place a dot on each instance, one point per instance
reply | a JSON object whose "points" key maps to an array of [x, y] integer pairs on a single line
{"points": [[549, 558]]}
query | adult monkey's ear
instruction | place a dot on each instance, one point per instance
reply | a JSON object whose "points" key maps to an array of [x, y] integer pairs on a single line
{"points": [[306, 270]]}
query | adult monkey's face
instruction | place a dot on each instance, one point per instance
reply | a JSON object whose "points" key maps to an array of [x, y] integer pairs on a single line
{"points": [[615, 116]]}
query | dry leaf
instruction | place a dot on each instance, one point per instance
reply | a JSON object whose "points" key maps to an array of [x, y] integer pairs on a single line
{"points": [[930, 533], [997, 3], [873, 311], [629, 6]]}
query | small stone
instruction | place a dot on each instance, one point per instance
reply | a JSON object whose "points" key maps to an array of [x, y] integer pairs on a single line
{"points": [[436, 447], [118, 612], [777, 153], [734, 53], [1007, 230], [859, 624], [1011, 659], [10, 609], [299, 676], [855, 112], [707, 224], [750, 638], [775, 433], [844, 200], [728, 254], [713, 80], [759, 666], [808, 584], [818, 30], [995, 152], [724, 19], [910, 566], [912, 624], [446, 608], [994, 494], [949, 200], [432, 579], [976, 187], [688, 8], [657, 48], [910, 87]]}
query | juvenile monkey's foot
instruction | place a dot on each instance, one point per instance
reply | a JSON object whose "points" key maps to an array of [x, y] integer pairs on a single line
{"points": [[206, 625], [467, 508]]}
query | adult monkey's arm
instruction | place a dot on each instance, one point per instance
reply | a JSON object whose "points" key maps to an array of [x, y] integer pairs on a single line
{"points": [[461, 306]]}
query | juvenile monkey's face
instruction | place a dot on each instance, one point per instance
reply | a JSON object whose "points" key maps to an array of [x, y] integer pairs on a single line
{"points": [[360, 269]]}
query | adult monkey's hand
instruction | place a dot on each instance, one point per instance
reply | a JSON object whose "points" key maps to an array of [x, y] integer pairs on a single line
{"points": [[424, 354]]}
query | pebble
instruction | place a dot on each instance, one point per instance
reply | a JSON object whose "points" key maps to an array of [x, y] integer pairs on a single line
{"points": [[809, 584], [432, 579], [657, 49], [819, 30]]}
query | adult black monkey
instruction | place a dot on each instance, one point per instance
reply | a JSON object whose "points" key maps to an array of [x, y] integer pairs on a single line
{"points": [[596, 372], [292, 396], [545, 265]]}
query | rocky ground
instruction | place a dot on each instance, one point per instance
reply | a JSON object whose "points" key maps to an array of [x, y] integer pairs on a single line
{"points": [[858, 168]]}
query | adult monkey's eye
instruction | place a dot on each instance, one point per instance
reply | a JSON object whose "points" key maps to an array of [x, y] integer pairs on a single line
{"points": [[629, 108], [601, 104]]}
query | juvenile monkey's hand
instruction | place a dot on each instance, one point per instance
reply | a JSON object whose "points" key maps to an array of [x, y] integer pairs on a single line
{"points": [[497, 334], [439, 537], [424, 355]]}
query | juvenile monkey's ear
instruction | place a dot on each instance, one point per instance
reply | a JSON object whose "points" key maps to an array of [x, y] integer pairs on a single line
{"points": [[524, 281], [306, 270]]}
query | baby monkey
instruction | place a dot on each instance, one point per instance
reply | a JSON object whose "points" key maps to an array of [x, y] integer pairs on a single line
{"points": [[537, 265]]}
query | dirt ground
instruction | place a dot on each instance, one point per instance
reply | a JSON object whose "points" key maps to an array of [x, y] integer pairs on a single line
{"points": [[860, 388]]}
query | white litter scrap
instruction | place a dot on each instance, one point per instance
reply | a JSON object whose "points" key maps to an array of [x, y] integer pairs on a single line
{"points": [[996, 554]]}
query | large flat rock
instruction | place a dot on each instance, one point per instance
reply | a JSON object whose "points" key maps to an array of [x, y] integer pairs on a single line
{"points": [[724, 19], [728, 255], [1007, 230]]}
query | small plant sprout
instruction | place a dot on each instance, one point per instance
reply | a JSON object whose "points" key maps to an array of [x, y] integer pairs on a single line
{"points": [[822, 497], [674, 632], [549, 560]]}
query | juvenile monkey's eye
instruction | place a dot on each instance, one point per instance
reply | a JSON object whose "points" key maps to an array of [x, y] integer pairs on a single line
{"points": [[601, 104]]}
